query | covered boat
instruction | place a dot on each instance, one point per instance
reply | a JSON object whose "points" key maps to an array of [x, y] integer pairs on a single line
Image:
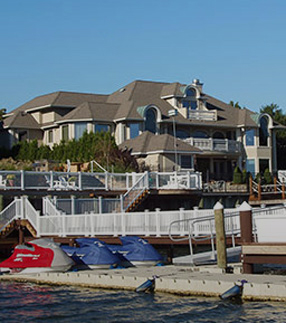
{"points": [[92, 253], [138, 251], [40, 255]]}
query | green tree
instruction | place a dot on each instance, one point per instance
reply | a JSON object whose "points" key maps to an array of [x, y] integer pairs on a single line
{"points": [[235, 104], [2, 112]]}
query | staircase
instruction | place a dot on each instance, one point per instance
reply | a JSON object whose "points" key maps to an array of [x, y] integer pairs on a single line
{"points": [[20, 214], [134, 200], [136, 194]]}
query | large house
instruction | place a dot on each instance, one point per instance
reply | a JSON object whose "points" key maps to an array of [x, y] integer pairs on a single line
{"points": [[167, 126]]}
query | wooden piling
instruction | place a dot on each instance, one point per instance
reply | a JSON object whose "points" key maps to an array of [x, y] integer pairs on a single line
{"points": [[220, 236], [245, 216]]}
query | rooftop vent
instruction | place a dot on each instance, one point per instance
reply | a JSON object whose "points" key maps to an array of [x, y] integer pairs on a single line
{"points": [[122, 90]]}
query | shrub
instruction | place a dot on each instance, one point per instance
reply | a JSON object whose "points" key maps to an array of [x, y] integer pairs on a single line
{"points": [[267, 177], [237, 176]]}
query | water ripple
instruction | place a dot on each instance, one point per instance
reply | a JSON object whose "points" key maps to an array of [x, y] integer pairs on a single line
{"points": [[34, 303]]}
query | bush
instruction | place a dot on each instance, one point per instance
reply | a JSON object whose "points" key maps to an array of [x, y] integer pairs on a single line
{"points": [[267, 177], [237, 176]]}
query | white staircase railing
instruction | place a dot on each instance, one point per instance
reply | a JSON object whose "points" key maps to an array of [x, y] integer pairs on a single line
{"points": [[135, 191], [49, 208], [11, 212]]}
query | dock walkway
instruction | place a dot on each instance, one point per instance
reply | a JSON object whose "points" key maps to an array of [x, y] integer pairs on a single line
{"points": [[201, 281]]}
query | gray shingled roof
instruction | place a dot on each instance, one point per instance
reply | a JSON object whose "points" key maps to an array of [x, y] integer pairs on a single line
{"points": [[92, 111], [61, 99], [143, 93], [148, 142], [21, 120], [129, 98]]}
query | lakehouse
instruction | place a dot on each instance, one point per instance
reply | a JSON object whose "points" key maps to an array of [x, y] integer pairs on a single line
{"points": [[167, 126]]}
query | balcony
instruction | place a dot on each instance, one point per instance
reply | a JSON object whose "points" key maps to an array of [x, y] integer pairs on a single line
{"points": [[219, 145], [203, 115]]}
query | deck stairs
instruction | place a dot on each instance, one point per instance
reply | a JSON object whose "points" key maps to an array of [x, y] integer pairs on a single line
{"points": [[15, 216], [136, 194]]}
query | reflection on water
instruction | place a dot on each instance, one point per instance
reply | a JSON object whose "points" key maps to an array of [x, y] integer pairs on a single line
{"points": [[34, 303]]}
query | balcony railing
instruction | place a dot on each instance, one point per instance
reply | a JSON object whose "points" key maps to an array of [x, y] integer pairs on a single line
{"points": [[203, 115], [210, 144]]}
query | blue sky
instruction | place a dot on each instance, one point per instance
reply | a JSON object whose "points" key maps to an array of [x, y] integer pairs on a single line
{"points": [[236, 48]]}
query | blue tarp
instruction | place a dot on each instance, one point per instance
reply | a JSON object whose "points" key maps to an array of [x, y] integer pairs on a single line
{"points": [[93, 254], [136, 249]]}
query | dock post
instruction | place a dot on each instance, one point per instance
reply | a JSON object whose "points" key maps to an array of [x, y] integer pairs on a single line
{"points": [[245, 216], [1, 203], [220, 235]]}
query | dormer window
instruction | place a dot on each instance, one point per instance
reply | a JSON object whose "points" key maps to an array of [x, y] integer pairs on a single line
{"points": [[263, 131], [190, 99], [150, 120]]}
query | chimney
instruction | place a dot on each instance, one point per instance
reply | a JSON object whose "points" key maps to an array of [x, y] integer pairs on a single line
{"points": [[198, 84]]}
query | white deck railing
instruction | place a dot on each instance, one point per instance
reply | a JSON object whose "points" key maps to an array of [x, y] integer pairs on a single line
{"points": [[146, 223], [62, 181], [210, 144], [203, 115]]}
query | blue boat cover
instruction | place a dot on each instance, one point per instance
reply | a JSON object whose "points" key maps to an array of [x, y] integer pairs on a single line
{"points": [[136, 249], [95, 253]]}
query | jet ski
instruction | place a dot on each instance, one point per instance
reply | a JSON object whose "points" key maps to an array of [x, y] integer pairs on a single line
{"points": [[37, 256]]}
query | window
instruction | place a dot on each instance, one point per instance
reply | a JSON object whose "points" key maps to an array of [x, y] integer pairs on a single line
{"points": [[263, 132], [101, 127], [150, 122], [65, 133], [190, 101], [186, 162], [134, 130], [182, 134], [200, 134], [263, 165], [191, 92], [50, 136], [250, 166], [249, 137], [79, 129], [218, 135]]}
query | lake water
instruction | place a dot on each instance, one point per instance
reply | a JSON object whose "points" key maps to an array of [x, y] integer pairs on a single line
{"points": [[22, 302]]}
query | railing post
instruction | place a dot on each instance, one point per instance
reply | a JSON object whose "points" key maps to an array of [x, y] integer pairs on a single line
{"points": [[189, 179], [157, 180], [181, 216], [100, 204], [23, 207], [72, 204], [38, 219], [106, 181], [220, 236], [80, 181], [146, 218], [122, 203], [91, 216], [245, 216], [22, 180], [123, 224], [63, 225], [275, 184], [157, 214], [259, 190], [283, 191], [51, 179]]}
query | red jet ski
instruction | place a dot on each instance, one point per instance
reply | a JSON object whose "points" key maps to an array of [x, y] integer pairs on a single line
{"points": [[37, 256]]}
